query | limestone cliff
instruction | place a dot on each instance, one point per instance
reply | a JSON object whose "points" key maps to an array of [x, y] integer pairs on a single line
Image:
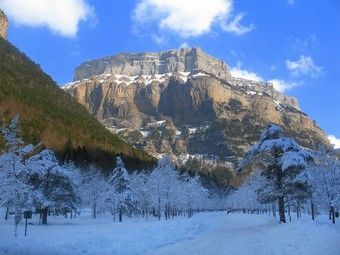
{"points": [[185, 102], [150, 63], [3, 25]]}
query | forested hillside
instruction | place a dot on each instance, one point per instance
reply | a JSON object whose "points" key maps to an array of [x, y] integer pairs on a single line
{"points": [[49, 115]]}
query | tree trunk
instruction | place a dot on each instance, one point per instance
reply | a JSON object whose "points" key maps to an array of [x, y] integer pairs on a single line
{"points": [[7, 212], [159, 208], [44, 216], [282, 210], [17, 219], [94, 210], [166, 212], [120, 215], [333, 214], [189, 210]]}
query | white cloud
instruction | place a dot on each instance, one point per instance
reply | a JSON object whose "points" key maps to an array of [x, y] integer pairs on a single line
{"points": [[60, 16], [334, 141], [279, 85], [158, 39], [184, 45], [235, 27], [305, 65], [306, 44], [282, 86], [188, 18], [291, 2], [238, 72]]}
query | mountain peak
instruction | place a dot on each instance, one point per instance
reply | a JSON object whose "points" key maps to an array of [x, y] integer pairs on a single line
{"points": [[152, 63]]}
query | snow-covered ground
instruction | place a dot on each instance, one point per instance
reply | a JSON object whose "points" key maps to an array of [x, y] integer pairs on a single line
{"points": [[100, 236], [260, 235], [205, 233]]}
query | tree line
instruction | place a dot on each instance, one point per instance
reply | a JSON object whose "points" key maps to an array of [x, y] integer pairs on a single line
{"points": [[33, 179]]}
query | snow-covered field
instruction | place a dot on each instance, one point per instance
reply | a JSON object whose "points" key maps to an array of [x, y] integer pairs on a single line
{"points": [[100, 236], [261, 235], [205, 233]]}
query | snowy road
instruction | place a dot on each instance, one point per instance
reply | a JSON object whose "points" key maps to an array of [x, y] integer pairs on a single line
{"points": [[260, 235]]}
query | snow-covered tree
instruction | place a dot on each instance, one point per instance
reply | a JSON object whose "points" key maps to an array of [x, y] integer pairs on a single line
{"points": [[164, 186], [282, 161], [171, 192], [141, 190], [194, 194], [324, 178], [93, 189], [171, 186], [244, 198], [120, 195], [54, 185], [15, 191]]}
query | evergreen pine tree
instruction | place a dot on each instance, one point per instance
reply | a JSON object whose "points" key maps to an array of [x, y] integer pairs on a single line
{"points": [[282, 161]]}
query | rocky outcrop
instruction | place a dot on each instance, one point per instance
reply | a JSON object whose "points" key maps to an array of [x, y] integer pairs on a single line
{"points": [[135, 64], [185, 102], [3, 25]]}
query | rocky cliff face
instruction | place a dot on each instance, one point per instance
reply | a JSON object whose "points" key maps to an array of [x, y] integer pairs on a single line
{"points": [[185, 102], [134, 64], [3, 25]]}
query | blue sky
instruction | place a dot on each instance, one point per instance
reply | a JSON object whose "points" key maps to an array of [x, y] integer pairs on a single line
{"points": [[292, 43]]}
